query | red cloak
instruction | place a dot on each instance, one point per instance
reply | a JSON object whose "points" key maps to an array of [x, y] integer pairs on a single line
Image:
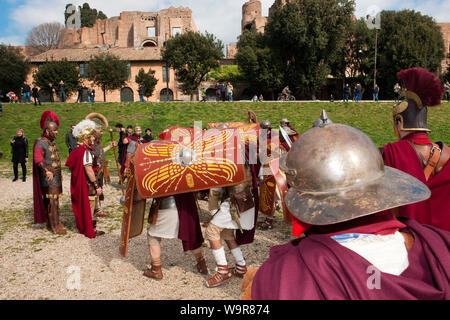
{"points": [[79, 192], [40, 214], [436, 210]]}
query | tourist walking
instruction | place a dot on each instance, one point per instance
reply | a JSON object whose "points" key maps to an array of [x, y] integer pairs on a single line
{"points": [[36, 95], [447, 90], [19, 149], [397, 90], [26, 90], [62, 91], [376, 91], [346, 92]]}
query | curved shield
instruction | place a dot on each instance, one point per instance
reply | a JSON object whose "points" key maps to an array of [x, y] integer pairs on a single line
{"points": [[165, 168], [280, 179], [267, 193], [180, 134], [230, 125]]}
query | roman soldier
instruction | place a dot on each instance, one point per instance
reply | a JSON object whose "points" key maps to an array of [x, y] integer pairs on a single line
{"points": [[355, 250], [174, 217], [84, 187], [234, 212], [101, 168], [288, 135], [130, 146], [415, 153], [267, 188], [47, 178]]}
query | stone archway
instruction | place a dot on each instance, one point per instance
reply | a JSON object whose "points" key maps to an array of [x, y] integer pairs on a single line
{"points": [[149, 43], [126, 95], [165, 95]]}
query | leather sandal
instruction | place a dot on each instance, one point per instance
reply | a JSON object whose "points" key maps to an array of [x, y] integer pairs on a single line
{"points": [[222, 275], [155, 272], [239, 271], [202, 267]]}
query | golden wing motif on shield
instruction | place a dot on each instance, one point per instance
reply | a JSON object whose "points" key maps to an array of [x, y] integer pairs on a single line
{"points": [[165, 168]]}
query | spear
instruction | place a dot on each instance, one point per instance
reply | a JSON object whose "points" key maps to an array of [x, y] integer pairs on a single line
{"points": [[115, 157]]}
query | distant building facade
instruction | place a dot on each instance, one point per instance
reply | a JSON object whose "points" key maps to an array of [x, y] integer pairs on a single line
{"points": [[136, 37]]}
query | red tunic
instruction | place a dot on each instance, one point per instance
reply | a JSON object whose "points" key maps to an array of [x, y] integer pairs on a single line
{"points": [[79, 192], [436, 210]]}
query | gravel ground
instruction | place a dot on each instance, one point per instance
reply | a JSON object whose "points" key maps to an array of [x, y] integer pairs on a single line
{"points": [[36, 264]]}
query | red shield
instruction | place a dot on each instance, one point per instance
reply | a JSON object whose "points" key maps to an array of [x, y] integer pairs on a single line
{"points": [[230, 125], [280, 179], [179, 134], [267, 191], [165, 168]]}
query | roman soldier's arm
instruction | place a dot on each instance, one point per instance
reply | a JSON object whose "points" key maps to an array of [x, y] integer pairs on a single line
{"points": [[38, 159]]}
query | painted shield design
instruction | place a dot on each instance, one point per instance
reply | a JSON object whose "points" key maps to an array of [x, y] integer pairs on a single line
{"points": [[165, 168]]}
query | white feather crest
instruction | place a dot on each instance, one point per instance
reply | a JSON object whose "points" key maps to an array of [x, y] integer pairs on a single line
{"points": [[83, 125]]}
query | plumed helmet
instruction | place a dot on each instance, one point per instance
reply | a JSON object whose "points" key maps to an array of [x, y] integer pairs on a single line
{"points": [[337, 174], [47, 118], [84, 130], [265, 124], [422, 90], [101, 122]]}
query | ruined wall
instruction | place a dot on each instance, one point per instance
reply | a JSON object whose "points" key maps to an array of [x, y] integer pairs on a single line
{"points": [[445, 29]]}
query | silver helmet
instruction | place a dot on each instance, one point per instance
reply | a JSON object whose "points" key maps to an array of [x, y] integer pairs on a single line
{"points": [[222, 126], [284, 122], [323, 120], [265, 124], [337, 174]]}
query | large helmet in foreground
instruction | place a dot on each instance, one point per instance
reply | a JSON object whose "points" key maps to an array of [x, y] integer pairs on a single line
{"points": [[337, 174]]}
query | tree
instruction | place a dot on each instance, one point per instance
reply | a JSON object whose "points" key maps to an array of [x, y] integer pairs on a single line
{"points": [[147, 80], [192, 55], [356, 60], [261, 68], [407, 39], [307, 36], [108, 72], [88, 15], [44, 37], [54, 72], [14, 69], [230, 73]]}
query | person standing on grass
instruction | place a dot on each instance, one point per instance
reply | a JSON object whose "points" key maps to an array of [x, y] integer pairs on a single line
{"points": [[36, 95], [141, 92], [346, 92], [50, 92], [80, 94], [397, 90], [26, 92], [230, 91], [19, 149], [62, 91], [447, 90], [376, 91], [358, 90], [71, 141]]}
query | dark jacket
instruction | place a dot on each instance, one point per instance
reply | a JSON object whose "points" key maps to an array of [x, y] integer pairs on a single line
{"points": [[148, 138], [61, 87], [26, 88], [19, 149], [35, 92], [71, 141]]}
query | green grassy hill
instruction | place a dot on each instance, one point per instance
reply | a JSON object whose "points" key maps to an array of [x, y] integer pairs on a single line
{"points": [[373, 119]]}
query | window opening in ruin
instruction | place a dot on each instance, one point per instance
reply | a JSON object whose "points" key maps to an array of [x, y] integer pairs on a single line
{"points": [[151, 32], [176, 31]]}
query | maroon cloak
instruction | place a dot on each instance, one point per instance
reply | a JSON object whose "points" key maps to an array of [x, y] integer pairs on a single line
{"points": [[189, 232], [79, 192], [436, 210], [40, 214], [317, 268]]}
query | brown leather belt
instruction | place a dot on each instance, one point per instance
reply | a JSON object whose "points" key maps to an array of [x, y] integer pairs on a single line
{"points": [[436, 157]]}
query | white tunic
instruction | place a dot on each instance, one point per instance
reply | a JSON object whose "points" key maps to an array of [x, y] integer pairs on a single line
{"points": [[167, 224], [387, 253], [223, 218]]}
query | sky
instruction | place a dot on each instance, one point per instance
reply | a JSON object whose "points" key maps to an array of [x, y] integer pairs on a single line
{"points": [[219, 17]]}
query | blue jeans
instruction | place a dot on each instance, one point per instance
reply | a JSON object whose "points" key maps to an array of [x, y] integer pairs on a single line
{"points": [[230, 97], [358, 96], [62, 96], [26, 97], [375, 97], [141, 98], [346, 97]]}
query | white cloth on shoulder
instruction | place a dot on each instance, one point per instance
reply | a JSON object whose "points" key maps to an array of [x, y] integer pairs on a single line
{"points": [[387, 253]]}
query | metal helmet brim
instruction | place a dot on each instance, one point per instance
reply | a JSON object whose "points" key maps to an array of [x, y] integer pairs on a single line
{"points": [[393, 190]]}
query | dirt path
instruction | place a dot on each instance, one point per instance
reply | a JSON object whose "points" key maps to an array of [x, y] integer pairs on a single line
{"points": [[35, 264]]}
